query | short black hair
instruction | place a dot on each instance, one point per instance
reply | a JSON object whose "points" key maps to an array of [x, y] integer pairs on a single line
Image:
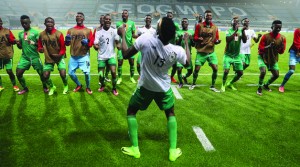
{"points": [[167, 28], [276, 22], [207, 11], [148, 15], [48, 18], [24, 17], [80, 13]]}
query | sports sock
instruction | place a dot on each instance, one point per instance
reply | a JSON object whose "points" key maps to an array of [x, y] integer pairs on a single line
{"points": [[131, 71], [0, 81], [106, 72], [49, 82], [287, 77], [260, 82], [172, 130], [120, 71], [87, 79], [133, 129], [12, 79], [65, 80], [224, 79], [180, 78], [101, 78], [214, 77], [114, 83], [189, 73], [40, 72], [22, 82], [195, 76]]}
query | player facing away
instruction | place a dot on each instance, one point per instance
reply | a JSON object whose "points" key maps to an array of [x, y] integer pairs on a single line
{"points": [[51, 43], [7, 40], [147, 28], [105, 41], [80, 38], [101, 21], [154, 84], [245, 50], [174, 68], [270, 45], [294, 58], [206, 37], [232, 56], [179, 41], [130, 34], [28, 42]]}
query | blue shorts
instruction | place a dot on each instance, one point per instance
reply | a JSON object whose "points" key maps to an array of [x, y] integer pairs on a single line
{"points": [[81, 62], [293, 58]]}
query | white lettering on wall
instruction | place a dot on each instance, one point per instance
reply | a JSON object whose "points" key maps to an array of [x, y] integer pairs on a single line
{"points": [[237, 11], [217, 10], [106, 8], [145, 9], [184, 9], [163, 8]]}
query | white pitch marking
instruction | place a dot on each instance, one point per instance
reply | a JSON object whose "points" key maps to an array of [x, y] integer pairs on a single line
{"points": [[176, 93], [257, 84], [203, 139]]}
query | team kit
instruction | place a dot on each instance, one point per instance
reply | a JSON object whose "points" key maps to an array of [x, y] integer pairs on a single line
{"points": [[106, 38]]}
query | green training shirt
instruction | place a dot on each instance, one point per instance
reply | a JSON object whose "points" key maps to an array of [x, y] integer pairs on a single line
{"points": [[233, 47], [29, 50], [181, 33], [130, 27]]}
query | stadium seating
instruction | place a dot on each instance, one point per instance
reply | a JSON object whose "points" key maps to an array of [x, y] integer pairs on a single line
{"points": [[260, 13]]}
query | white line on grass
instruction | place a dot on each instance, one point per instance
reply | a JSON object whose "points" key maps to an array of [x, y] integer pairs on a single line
{"points": [[203, 139], [257, 84], [176, 93]]}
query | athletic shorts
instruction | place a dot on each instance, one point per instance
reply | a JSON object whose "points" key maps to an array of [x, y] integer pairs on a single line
{"points": [[246, 58], [61, 65], [142, 98], [111, 61], [201, 58], [120, 56], [293, 58], [7, 63], [25, 63], [81, 62], [261, 64], [236, 62]]}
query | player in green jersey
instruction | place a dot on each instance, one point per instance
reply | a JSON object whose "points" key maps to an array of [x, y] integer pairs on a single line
{"points": [[28, 42], [130, 34]]}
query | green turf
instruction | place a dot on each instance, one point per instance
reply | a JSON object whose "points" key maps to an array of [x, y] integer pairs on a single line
{"points": [[88, 130]]}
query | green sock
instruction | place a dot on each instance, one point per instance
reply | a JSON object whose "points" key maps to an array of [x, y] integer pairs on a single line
{"points": [[49, 82], [114, 83], [131, 71], [214, 77], [260, 82], [0, 81], [65, 81], [172, 129], [180, 78], [133, 130], [195, 76], [22, 82], [120, 71]]}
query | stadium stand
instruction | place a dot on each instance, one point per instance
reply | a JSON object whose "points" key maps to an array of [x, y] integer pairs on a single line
{"points": [[260, 13]]}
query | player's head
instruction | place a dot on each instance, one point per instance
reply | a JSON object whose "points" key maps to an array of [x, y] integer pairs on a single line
{"points": [[148, 19], [276, 26], [208, 16], [245, 22], [166, 29], [107, 21], [170, 15], [25, 22], [49, 23], [184, 23], [235, 22], [79, 18], [125, 15], [101, 20]]}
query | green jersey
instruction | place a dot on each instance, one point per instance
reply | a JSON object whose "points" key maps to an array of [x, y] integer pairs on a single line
{"points": [[130, 27], [233, 47], [29, 40], [180, 33], [173, 41]]}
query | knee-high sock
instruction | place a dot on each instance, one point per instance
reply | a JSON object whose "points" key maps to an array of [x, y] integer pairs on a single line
{"points": [[131, 71], [22, 81], [114, 83], [101, 78], [287, 77], [214, 77], [106, 72], [65, 80], [133, 130], [87, 79], [119, 71], [172, 130], [13, 79], [40, 72], [180, 78], [195, 76], [49, 82], [0, 81]]}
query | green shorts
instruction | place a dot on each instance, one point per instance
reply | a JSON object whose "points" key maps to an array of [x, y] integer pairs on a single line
{"points": [[7, 63], [120, 56], [142, 98], [261, 64], [25, 63], [61, 65], [246, 58], [201, 58], [111, 61], [236, 62], [139, 58]]}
